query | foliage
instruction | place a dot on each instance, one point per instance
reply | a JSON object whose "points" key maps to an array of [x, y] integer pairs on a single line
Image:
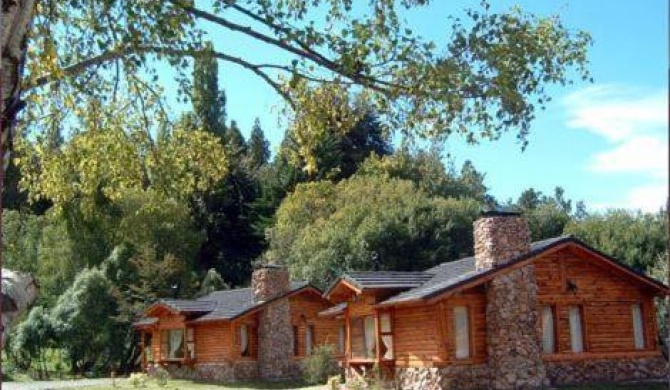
{"points": [[339, 151], [212, 282], [113, 155], [209, 103], [325, 228], [319, 366], [21, 240], [138, 379], [489, 77], [85, 322], [427, 170], [161, 376], [258, 147], [638, 239], [547, 215], [33, 338]]}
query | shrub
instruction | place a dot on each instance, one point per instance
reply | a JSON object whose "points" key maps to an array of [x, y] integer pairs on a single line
{"points": [[138, 379], [317, 367], [334, 383], [161, 375]]}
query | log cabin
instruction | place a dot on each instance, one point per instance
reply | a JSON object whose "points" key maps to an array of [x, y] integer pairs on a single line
{"points": [[240, 334], [516, 315]]}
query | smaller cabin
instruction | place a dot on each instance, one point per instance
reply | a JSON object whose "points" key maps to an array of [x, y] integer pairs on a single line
{"points": [[238, 334]]}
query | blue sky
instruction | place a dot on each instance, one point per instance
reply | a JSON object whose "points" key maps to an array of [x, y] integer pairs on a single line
{"points": [[606, 143]]}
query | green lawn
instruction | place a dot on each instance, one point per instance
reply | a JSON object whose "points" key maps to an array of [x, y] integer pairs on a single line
{"points": [[124, 384]]}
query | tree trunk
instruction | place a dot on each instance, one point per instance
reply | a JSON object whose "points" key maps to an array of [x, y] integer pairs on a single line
{"points": [[15, 19]]}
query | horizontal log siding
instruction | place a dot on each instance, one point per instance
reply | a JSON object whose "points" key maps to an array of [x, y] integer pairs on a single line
{"points": [[213, 342], [475, 301], [605, 297], [304, 312], [415, 336]]}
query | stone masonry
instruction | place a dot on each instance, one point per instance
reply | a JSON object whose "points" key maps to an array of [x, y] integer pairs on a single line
{"points": [[275, 334], [513, 343]]}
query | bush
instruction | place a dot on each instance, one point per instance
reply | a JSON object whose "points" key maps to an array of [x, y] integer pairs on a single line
{"points": [[138, 379], [161, 375], [317, 367]]}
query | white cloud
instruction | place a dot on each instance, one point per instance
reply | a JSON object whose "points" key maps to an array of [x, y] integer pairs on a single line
{"points": [[635, 125]]}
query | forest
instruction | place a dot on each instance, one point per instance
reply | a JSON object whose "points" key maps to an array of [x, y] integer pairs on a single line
{"points": [[113, 203]]}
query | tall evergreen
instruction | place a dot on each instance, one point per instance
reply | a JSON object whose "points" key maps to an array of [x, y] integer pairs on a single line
{"points": [[258, 147], [209, 103]]}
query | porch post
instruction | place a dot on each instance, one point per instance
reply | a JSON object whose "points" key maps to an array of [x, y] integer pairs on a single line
{"points": [[347, 343], [142, 354], [378, 337], [183, 343]]}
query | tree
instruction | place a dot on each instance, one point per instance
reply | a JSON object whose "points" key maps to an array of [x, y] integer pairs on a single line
{"points": [[209, 103], [638, 239], [547, 215], [258, 147], [85, 322], [211, 282], [427, 170], [368, 222], [33, 339]]}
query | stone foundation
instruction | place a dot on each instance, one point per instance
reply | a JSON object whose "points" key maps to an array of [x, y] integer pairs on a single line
{"points": [[606, 370], [216, 372], [468, 377]]}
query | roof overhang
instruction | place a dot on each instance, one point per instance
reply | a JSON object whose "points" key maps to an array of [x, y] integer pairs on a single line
{"points": [[604, 260]]}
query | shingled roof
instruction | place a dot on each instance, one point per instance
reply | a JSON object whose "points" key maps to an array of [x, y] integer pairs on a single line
{"points": [[221, 305], [452, 274], [231, 304]]}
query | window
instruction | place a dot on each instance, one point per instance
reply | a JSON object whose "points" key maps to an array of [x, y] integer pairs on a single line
{"points": [[386, 336], [244, 340], [296, 345], [638, 326], [363, 340], [462, 332], [576, 332], [190, 342], [548, 330], [309, 340], [341, 340], [172, 344], [148, 347]]}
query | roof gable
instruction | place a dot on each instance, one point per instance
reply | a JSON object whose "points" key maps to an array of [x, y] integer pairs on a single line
{"points": [[360, 281], [223, 305], [456, 275]]}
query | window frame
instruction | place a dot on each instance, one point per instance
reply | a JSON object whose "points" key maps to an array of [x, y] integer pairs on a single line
{"points": [[310, 333], [554, 330], [388, 333], [165, 344], [642, 328], [468, 330], [582, 328]]}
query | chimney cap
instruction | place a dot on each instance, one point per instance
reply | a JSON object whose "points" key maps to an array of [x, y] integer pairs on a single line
{"points": [[501, 212]]}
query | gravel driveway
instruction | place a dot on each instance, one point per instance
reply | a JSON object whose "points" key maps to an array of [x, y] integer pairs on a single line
{"points": [[47, 385]]}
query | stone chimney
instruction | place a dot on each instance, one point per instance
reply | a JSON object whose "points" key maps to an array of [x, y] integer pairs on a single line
{"points": [[275, 333], [499, 237], [269, 281], [512, 337]]}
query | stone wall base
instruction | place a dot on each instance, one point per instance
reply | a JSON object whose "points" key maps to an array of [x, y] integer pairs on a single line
{"points": [[606, 370], [474, 377], [216, 372], [467, 377]]}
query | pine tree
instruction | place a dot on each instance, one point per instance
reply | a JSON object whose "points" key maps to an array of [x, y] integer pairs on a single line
{"points": [[258, 148], [209, 103]]}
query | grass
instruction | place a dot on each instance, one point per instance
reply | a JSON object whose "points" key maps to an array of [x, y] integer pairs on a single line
{"points": [[124, 384]]}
